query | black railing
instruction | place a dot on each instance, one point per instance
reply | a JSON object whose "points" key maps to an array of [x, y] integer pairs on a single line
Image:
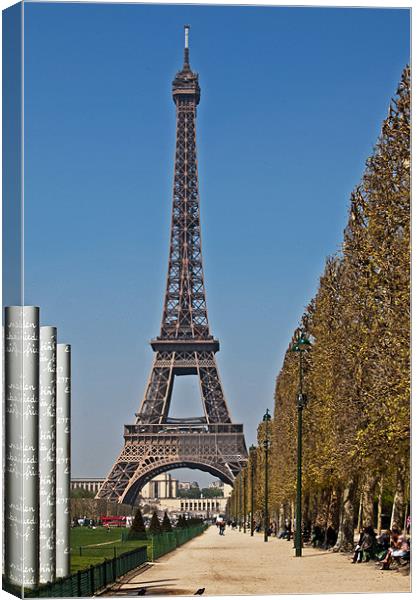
{"points": [[89, 581]]}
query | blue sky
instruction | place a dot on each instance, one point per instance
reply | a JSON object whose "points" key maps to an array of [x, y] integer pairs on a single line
{"points": [[291, 106]]}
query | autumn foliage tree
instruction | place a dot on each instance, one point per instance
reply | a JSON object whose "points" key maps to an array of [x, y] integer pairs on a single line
{"points": [[356, 442]]}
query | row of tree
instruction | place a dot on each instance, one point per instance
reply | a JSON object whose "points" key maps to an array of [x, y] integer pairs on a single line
{"points": [[356, 437], [195, 492], [138, 531]]}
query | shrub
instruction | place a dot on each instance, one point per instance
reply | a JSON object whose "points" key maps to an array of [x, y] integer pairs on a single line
{"points": [[137, 530], [166, 523], [155, 525]]}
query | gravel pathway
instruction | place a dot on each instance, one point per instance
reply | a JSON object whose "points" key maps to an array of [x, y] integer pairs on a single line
{"points": [[238, 564]]}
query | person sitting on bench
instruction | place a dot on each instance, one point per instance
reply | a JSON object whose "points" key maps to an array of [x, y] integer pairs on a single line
{"points": [[399, 550]]}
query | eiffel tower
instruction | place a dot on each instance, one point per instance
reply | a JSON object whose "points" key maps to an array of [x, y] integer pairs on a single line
{"points": [[156, 442]]}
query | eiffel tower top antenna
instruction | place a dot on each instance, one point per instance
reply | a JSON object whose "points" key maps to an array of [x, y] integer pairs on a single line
{"points": [[186, 47]]}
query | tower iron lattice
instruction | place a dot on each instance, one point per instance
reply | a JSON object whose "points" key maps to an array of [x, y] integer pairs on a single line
{"points": [[156, 442]]}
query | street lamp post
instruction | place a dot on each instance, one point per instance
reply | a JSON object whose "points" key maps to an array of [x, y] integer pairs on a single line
{"points": [[301, 344], [266, 419], [244, 500], [240, 502], [252, 451]]}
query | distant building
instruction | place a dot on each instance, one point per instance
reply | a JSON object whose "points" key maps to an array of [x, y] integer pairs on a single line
{"points": [[227, 490], [217, 483], [90, 484], [198, 507], [188, 485], [203, 507], [193, 507], [161, 487], [184, 485], [223, 487]]}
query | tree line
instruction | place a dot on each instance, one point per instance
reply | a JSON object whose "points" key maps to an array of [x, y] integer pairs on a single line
{"points": [[138, 531], [356, 425], [195, 492]]}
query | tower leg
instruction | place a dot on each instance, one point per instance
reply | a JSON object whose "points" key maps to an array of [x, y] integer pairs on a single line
{"points": [[212, 391], [158, 393]]}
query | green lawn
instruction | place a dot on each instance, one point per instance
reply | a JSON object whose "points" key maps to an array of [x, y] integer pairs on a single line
{"points": [[79, 563], [86, 549], [83, 536]]}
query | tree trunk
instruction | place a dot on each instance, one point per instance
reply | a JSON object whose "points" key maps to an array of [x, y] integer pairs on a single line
{"points": [[379, 519], [327, 507], [406, 512], [368, 500], [314, 508], [273, 518], [323, 508], [281, 518], [360, 513], [347, 518], [334, 509], [407, 506], [306, 509], [397, 515], [328, 515], [292, 515]]}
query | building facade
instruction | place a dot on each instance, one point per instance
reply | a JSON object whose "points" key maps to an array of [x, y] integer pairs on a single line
{"points": [[88, 484], [199, 507], [160, 487]]}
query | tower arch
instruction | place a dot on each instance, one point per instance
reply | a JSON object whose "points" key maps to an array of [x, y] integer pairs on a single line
{"points": [[135, 486]]}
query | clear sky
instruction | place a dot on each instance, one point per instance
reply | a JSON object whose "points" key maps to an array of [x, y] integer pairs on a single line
{"points": [[292, 103]]}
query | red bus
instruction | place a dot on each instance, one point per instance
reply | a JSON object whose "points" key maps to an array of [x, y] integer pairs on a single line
{"points": [[117, 521]]}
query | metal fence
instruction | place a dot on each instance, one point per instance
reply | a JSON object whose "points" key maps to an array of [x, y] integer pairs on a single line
{"points": [[89, 581], [166, 542], [102, 551]]}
